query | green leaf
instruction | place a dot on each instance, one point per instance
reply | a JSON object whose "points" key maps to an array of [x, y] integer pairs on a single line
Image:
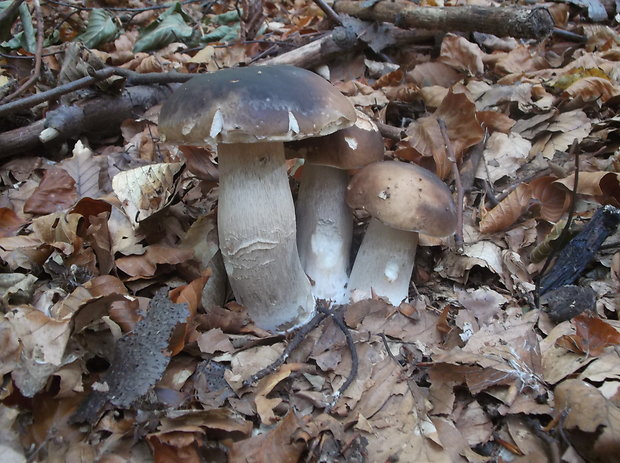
{"points": [[25, 39], [29, 40], [171, 26], [222, 34], [101, 29]]}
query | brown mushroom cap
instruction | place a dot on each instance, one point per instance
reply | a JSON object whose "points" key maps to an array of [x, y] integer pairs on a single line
{"points": [[254, 104], [349, 148], [404, 196]]}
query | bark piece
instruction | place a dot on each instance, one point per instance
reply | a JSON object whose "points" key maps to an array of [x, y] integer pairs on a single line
{"points": [[140, 359], [580, 251]]}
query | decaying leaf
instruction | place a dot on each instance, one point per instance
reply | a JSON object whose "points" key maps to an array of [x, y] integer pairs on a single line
{"points": [[146, 190], [591, 421], [592, 336], [55, 192], [508, 211]]}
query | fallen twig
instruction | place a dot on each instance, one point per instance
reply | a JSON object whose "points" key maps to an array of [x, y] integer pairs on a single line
{"points": [[338, 317], [87, 117], [391, 132], [55, 92], [564, 234], [329, 12], [518, 22], [295, 341]]}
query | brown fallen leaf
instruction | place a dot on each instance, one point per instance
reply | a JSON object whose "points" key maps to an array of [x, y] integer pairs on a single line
{"points": [[591, 422], [604, 186], [462, 55], [276, 445], [10, 222], [55, 192], [508, 211], [553, 200], [592, 336], [145, 266]]}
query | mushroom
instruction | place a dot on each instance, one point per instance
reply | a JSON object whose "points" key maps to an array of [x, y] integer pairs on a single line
{"points": [[249, 112], [403, 200], [324, 221]]}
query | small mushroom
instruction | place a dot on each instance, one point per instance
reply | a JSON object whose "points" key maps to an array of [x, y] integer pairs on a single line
{"points": [[324, 221], [403, 200], [249, 112]]}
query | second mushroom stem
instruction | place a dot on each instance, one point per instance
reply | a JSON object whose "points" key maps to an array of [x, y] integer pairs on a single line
{"points": [[324, 230]]}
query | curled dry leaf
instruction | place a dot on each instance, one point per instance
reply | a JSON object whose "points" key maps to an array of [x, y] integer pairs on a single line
{"points": [[144, 266], [495, 121], [277, 444], [434, 73], [508, 211], [461, 54], [199, 162], [591, 88], [146, 190], [592, 336], [604, 186], [553, 200]]}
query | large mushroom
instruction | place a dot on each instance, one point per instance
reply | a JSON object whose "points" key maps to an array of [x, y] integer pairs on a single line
{"points": [[403, 200], [249, 113], [324, 221]]}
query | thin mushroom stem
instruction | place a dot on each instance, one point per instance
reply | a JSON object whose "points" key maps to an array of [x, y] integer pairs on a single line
{"points": [[384, 264], [324, 230], [256, 224]]}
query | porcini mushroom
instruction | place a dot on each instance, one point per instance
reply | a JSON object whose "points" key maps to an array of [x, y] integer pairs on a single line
{"points": [[249, 113], [324, 221], [403, 200]]}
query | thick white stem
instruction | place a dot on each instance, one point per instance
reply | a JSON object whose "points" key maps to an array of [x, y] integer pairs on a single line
{"points": [[256, 223], [324, 230], [383, 264]]}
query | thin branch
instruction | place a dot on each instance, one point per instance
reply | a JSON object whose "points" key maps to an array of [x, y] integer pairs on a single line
{"points": [[299, 336], [55, 92], [36, 73], [563, 236], [338, 317], [458, 234], [329, 12]]}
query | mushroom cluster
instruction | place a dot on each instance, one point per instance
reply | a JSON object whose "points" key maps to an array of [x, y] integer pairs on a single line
{"points": [[249, 113], [278, 259]]}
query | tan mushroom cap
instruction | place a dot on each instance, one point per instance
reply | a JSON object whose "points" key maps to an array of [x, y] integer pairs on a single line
{"points": [[404, 196], [349, 148], [254, 104]]}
